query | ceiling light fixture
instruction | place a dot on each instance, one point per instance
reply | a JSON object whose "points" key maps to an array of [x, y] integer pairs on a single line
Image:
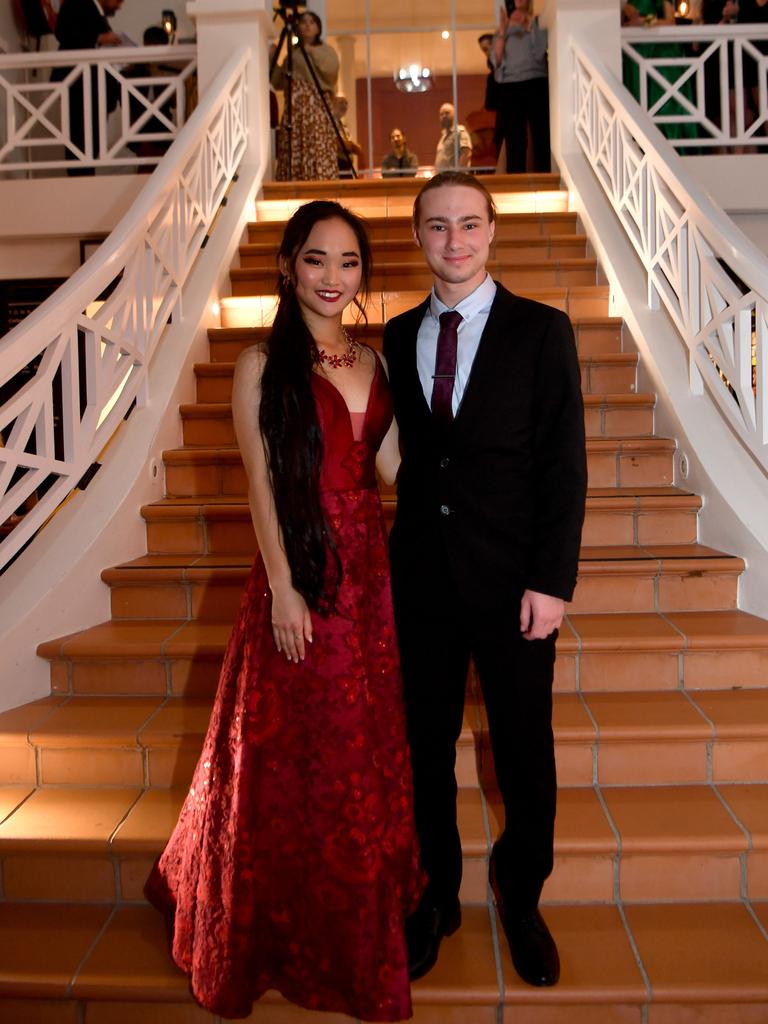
{"points": [[414, 78]]}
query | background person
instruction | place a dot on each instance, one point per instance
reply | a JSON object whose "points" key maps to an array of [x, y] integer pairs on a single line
{"points": [[84, 25], [454, 146], [294, 860], [400, 161], [339, 109], [313, 139], [519, 59]]}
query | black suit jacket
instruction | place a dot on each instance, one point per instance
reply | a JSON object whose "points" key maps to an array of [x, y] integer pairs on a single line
{"points": [[498, 494], [79, 24]]}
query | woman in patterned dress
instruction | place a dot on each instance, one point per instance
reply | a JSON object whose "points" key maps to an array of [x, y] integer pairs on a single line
{"points": [[313, 139], [295, 861]]}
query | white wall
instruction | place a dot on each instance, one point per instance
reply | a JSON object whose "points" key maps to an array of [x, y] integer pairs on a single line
{"points": [[136, 15], [738, 184], [42, 225]]}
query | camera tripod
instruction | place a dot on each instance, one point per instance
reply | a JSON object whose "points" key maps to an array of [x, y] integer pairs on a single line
{"points": [[289, 13]]}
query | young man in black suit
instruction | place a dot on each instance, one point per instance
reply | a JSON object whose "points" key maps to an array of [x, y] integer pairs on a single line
{"points": [[484, 548]]}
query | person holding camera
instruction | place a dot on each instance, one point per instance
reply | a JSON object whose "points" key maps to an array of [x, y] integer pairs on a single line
{"points": [[312, 152], [519, 60]]}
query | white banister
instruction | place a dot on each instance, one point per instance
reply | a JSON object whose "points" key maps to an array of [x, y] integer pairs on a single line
{"points": [[88, 360], [694, 81], [712, 280], [46, 95], [658, 236]]}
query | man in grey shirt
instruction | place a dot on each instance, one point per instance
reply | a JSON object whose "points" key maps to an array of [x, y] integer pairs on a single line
{"points": [[454, 147], [519, 60]]}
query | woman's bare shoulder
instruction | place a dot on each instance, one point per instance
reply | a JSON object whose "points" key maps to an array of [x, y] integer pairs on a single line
{"points": [[250, 362]]}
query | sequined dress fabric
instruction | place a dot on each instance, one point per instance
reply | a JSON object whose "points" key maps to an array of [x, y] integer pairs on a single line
{"points": [[294, 860]]}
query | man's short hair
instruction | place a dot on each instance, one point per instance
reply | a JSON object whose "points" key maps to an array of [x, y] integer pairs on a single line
{"points": [[454, 178], [485, 35]]}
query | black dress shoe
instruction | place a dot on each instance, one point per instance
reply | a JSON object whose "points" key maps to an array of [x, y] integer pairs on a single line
{"points": [[424, 931], [533, 949]]}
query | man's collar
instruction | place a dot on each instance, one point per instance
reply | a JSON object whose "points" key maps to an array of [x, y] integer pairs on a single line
{"points": [[478, 301]]}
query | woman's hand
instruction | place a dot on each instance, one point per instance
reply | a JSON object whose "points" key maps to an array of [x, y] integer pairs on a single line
{"points": [[291, 622]]}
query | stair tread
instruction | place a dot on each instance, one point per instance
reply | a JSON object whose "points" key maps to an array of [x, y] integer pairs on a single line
{"points": [[259, 331], [584, 631], [231, 453], [681, 947], [223, 410], [385, 245], [391, 266], [672, 631], [408, 186], [229, 506], [225, 368], [628, 558], [647, 819]]}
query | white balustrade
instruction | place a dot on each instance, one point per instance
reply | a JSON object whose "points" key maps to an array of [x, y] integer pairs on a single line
{"points": [[57, 106], [72, 369], [711, 280], [698, 78]]}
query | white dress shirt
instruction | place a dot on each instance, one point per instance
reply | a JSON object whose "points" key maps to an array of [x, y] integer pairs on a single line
{"points": [[474, 310]]}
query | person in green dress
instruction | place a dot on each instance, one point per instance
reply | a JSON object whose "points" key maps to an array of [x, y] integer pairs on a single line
{"points": [[648, 13]]}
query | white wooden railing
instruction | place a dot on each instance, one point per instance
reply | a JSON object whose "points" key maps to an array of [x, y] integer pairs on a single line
{"points": [[712, 281], [707, 101], [89, 358], [39, 127]]}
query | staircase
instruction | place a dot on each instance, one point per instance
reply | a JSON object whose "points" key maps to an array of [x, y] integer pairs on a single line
{"points": [[659, 897]]}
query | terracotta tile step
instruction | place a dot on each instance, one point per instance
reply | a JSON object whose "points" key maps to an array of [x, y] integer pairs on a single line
{"points": [[597, 335], [662, 651], [408, 275], [651, 843], [662, 842], [614, 372], [508, 225], [607, 416], [116, 969], [656, 737], [98, 845], [197, 521], [625, 463], [262, 255], [395, 188], [250, 310], [614, 579], [709, 650], [615, 738], [144, 741]]}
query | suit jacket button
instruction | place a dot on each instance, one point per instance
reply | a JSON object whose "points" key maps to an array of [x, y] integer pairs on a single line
{"points": [[444, 462], [444, 510]]}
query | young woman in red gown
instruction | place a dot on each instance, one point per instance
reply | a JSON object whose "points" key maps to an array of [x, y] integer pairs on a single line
{"points": [[294, 861]]}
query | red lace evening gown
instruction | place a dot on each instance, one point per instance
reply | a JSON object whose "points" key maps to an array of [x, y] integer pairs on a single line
{"points": [[294, 860]]}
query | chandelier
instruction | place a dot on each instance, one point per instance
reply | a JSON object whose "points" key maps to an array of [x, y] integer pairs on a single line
{"points": [[414, 78]]}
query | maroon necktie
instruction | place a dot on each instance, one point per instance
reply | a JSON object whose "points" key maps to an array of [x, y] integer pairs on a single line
{"points": [[445, 365]]}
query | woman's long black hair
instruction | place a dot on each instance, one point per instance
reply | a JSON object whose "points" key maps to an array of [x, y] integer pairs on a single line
{"points": [[288, 416]]}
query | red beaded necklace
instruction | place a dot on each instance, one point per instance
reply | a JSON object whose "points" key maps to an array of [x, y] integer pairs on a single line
{"points": [[331, 359]]}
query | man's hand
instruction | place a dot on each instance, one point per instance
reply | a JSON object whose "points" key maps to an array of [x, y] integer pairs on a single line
{"points": [[540, 615]]}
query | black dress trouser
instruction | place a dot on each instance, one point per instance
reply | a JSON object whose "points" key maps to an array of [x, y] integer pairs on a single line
{"points": [[437, 639], [520, 104]]}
